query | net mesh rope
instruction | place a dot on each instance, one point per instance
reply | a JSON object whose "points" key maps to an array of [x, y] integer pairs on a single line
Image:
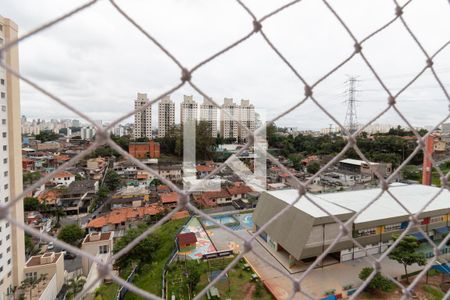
{"points": [[187, 78]]}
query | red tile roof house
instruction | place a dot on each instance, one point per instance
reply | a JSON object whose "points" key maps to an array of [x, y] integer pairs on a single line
{"points": [[223, 197], [119, 220], [169, 200], [186, 241]]}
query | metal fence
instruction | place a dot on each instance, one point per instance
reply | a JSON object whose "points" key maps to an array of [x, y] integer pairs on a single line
{"points": [[187, 77]]}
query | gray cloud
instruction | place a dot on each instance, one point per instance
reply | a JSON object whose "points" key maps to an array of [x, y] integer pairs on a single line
{"points": [[98, 61]]}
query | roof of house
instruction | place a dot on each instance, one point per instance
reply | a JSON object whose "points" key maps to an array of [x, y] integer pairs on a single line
{"points": [[81, 186], [104, 236], [162, 188], [63, 174], [239, 189], [187, 238], [169, 197], [356, 162], [49, 196], [36, 260], [180, 215], [203, 168], [121, 215]]}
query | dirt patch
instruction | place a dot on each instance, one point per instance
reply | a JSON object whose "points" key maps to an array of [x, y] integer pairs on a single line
{"points": [[249, 290]]}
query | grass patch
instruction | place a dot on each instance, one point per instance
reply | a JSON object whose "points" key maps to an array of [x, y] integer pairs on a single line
{"points": [[237, 284], [110, 290], [150, 274], [433, 293]]}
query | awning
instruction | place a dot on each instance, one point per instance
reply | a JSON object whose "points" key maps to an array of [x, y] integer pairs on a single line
{"points": [[418, 235], [442, 230]]}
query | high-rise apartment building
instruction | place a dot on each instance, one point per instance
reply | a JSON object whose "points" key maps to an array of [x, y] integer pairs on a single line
{"points": [[166, 116], [247, 119], [87, 133], [188, 109], [229, 116], [12, 247], [142, 118], [208, 113]]}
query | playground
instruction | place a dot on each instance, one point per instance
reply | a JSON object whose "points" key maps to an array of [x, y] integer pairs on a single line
{"points": [[204, 244]]}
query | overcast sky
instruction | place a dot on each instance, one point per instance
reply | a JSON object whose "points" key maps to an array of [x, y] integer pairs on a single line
{"points": [[98, 61]]}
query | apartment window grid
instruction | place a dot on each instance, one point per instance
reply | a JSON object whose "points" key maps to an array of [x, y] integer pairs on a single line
{"points": [[188, 77]]}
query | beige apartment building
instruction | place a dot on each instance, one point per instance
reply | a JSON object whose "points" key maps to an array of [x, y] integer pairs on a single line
{"points": [[208, 113], [229, 116], [143, 118], [188, 109], [247, 118], [166, 116], [97, 244], [50, 265], [12, 247]]}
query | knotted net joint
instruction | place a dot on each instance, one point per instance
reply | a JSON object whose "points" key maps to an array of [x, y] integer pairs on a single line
{"points": [[398, 11], [391, 100], [104, 269], [429, 63], [343, 229], [257, 26], [185, 75], [357, 47], [377, 266], [308, 91]]}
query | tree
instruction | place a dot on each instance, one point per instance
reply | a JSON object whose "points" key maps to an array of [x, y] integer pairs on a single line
{"points": [[378, 282], [142, 252], [31, 283], [46, 136], [31, 204], [71, 234], [112, 180], [75, 284], [99, 198], [313, 167], [29, 244], [58, 212], [405, 253], [193, 275], [411, 172], [30, 177]]}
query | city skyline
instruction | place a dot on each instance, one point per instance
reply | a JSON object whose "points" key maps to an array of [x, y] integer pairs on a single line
{"points": [[247, 79]]}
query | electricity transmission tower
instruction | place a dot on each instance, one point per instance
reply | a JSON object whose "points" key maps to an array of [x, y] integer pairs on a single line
{"points": [[351, 120]]}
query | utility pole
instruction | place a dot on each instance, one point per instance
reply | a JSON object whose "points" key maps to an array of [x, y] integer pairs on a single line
{"points": [[351, 120]]}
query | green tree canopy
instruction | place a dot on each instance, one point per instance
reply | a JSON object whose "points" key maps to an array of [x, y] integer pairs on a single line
{"points": [[313, 167], [71, 234], [30, 204], [112, 180], [378, 282], [406, 253]]}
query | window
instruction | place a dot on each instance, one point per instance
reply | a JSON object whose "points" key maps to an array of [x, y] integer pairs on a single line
{"points": [[3, 95], [5, 160], [103, 249], [4, 134], [5, 147], [8, 249], [3, 121], [392, 227], [2, 81], [6, 200], [5, 174], [437, 219], [31, 275], [8, 237], [9, 274], [9, 261], [3, 107], [365, 232], [6, 186]]}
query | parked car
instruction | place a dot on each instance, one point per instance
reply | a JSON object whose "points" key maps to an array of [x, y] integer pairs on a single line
{"points": [[50, 246]]}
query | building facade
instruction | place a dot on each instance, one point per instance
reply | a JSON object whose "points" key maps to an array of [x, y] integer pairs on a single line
{"points": [[144, 150], [166, 116], [208, 113], [229, 116], [12, 247], [304, 231], [247, 119], [188, 109], [143, 118], [87, 133]]}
